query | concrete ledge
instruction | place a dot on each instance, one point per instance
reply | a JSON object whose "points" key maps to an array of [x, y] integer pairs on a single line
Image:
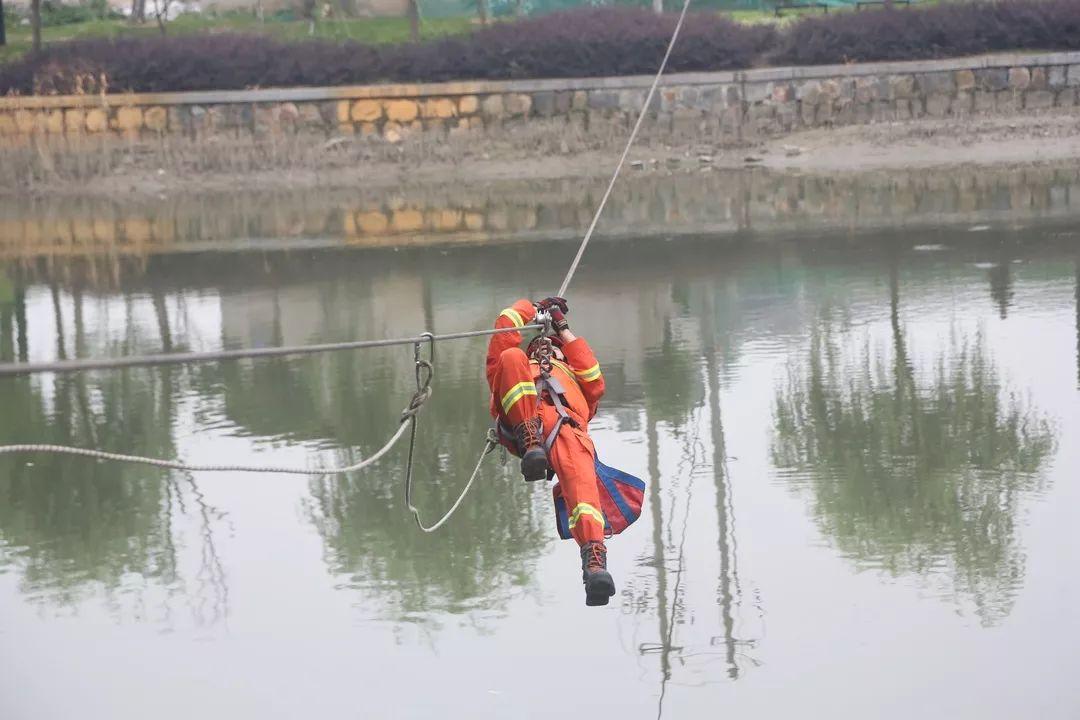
{"points": [[637, 82]]}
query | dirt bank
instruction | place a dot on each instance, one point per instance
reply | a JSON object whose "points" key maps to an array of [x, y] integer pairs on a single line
{"points": [[1001, 141]]}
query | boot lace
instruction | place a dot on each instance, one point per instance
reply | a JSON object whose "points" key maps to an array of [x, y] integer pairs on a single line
{"points": [[597, 557], [529, 433]]}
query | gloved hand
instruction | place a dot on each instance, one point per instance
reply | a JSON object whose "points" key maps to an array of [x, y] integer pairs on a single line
{"points": [[555, 307]]}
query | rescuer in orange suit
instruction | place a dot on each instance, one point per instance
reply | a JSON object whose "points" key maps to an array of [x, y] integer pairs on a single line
{"points": [[526, 420]]}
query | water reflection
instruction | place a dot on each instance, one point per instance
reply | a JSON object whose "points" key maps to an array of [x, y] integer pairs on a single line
{"points": [[915, 463], [914, 467]]}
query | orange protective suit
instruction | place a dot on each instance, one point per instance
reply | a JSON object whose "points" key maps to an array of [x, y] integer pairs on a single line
{"points": [[511, 376]]}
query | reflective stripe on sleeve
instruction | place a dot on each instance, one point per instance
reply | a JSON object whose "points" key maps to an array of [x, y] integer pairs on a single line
{"points": [[514, 316], [590, 374]]}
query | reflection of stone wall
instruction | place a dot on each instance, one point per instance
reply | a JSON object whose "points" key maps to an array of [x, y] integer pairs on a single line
{"points": [[729, 105], [644, 203]]}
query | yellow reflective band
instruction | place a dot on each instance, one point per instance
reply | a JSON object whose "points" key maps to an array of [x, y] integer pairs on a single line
{"points": [[563, 366], [586, 509], [514, 316], [516, 393], [589, 375]]}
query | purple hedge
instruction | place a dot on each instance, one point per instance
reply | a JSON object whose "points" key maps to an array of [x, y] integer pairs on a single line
{"points": [[945, 30], [577, 43]]}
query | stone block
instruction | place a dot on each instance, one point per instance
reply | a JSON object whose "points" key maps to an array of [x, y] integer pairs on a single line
{"points": [[544, 103], [365, 111], [563, 102], [97, 120], [74, 120], [344, 112], [580, 100], [938, 83], [868, 89], [1039, 100], [964, 79], [937, 105], [129, 119], [1072, 76], [901, 87], [756, 92], [782, 93], [346, 129], [808, 92], [863, 113], [903, 109], [808, 113], [603, 100], [407, 220], [985, 101], [368, 129], [1055, 77], [1019, 78], [1008, 101], [1039, 79], [328, 111], [468, 104], [474, 221], [7, 124], [439, 108], [402, 111], [445, 220], [787, 115], [54, 122], [992, 79], [309, 115], [25, 121], [372, 222], [963, 103], [493, 106], [1067, 98], [518, 105]]}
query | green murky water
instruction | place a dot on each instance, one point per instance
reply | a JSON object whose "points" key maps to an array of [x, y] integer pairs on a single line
{"points": [[862, 493]]}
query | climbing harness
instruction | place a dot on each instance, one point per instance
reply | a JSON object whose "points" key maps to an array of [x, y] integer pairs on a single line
{"points": [[424, 367]]}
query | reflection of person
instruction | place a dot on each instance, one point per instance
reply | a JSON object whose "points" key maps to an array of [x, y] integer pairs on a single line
{"points": [[529, 421]]}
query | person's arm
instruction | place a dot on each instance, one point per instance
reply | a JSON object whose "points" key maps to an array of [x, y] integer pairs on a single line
{"points": [[580, 358], [518, 315]]}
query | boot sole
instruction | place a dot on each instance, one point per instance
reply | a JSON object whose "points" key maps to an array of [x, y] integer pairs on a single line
{"points": [[599, 588], [534, 466]]}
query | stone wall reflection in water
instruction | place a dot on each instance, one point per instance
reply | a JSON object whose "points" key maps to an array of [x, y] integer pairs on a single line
{"points": [[651, 203]]}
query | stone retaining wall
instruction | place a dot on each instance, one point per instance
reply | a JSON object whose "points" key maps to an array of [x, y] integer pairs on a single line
{"points": [[721, 106]]}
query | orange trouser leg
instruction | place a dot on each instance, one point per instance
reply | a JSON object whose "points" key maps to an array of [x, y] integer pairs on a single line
{"points": [[572, 459], [514, 389]]}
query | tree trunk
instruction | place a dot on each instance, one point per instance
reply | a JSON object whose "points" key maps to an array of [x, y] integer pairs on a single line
{"points": [[3, 30], [658, 6], [35, 22], [414, 20], [482, 9]]}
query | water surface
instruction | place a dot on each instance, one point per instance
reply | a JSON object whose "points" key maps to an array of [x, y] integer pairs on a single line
{"points": [[862, 487]]}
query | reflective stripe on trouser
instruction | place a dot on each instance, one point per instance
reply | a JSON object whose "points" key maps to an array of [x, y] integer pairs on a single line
{"points": [[571, 457], [513, 388]]}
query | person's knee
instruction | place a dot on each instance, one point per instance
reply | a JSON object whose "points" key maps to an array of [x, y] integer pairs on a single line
{"points": [[513, 356]]}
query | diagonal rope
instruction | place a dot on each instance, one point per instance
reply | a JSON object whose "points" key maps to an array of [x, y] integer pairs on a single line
{"points": [[625, 154]]}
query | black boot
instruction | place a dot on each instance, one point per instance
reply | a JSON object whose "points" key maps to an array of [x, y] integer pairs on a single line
{"points": [[530, 442], [599, 586]]}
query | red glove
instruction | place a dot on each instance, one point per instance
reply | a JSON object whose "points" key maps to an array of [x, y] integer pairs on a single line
{"points": [[556, 308]]}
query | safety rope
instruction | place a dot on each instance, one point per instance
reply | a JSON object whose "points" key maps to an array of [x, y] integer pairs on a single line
{"points": [[625, 154], [408, 417], [425, 369], [8, 369]]}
